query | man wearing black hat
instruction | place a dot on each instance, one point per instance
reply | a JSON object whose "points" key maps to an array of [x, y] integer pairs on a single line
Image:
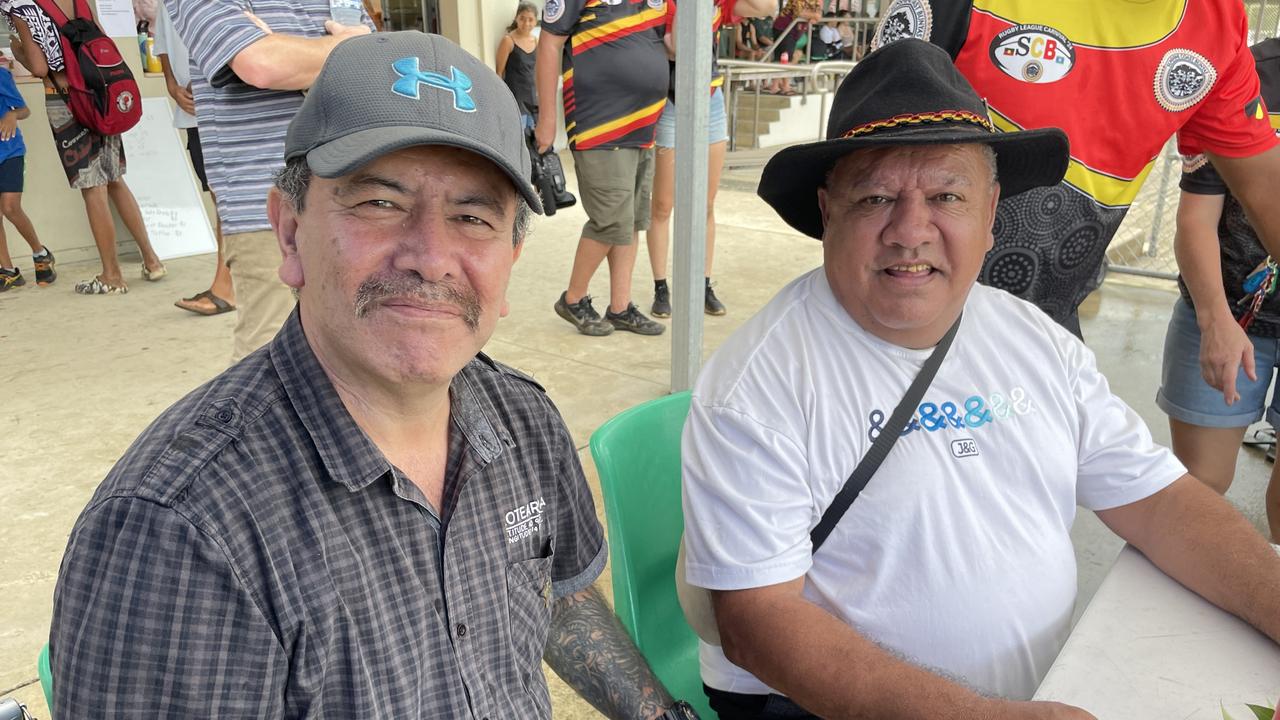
{"points": [[1120, 78], [952, 427], [368, 516]]}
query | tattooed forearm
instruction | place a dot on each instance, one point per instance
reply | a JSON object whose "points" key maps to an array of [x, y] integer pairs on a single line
{"points": [[589, 649]]}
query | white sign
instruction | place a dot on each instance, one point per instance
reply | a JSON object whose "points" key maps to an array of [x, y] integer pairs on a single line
{"points": [[166, 189], [116, 18]]}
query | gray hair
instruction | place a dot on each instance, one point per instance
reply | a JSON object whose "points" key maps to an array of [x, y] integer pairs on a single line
{"points": [[294, 179]]}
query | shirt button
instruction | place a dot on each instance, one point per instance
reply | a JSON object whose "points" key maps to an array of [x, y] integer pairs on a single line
{"points": [[461, 629], [224, 416]]}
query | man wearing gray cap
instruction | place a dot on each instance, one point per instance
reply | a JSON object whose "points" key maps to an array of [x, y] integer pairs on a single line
{"points": [[368, 516]]}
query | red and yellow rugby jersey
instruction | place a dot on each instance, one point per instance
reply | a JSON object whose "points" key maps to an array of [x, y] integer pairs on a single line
{"points": [[1120, 78], [614, 69], [723, 16]]}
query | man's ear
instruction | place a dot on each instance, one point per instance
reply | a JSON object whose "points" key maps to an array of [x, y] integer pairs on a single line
{"points": [[284, 221], [822, 205]]}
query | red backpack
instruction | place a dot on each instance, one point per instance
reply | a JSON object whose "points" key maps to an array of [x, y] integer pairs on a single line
{"points": [[103, 95]]}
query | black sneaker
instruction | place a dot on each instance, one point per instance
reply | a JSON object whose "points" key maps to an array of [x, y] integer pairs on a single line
{"points": [[45, 274], [635, 321], [712, 304], [11, 279], [661, 300], [583, 316]]}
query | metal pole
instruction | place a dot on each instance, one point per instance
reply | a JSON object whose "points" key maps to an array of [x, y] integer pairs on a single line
{"points": [[693, 111], [1170, 162]]}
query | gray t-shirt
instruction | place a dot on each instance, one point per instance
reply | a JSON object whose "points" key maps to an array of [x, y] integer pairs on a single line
{"points": [[168, 42]]}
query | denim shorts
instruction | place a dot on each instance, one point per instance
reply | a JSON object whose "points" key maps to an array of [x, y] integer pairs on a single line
{"points": [[717, 125], [1184, 395]]}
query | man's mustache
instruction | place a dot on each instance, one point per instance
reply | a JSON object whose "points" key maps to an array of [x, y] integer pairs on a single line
{"points": [[380, 288]]}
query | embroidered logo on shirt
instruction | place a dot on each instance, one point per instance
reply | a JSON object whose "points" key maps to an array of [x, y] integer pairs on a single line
{"points": [[552, 11], [524, 521], [904, 19], [1183, 78], [1033, 53]]}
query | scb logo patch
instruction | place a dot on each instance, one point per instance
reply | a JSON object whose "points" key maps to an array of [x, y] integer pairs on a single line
{"points": [[904, 19], [1183, 78], [1033, 53]]}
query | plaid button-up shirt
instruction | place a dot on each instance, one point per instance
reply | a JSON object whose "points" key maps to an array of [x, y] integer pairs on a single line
{"points": [[253, 555]]}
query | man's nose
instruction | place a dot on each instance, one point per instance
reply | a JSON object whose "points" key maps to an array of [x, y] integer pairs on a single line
{"points": [[911, 222], [424, 248]]}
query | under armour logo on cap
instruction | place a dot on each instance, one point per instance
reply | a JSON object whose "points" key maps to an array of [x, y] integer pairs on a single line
{"points": [[411, 76]]}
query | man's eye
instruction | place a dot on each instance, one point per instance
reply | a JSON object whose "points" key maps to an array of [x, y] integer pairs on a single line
{"points": [[875, 200], [473, 220], [948, 197], [383, 204]]}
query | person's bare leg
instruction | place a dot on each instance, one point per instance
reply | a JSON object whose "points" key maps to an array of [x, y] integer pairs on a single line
{"points": [[222, 286], [11, 204], [715, 166], [104, 233], [658, 237], [1209, 453], [622, 261], [131, 215], [6, 260], [586, 260]]}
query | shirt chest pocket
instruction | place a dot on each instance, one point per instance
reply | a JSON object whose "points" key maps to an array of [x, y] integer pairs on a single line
{"points": [[529, 601]]}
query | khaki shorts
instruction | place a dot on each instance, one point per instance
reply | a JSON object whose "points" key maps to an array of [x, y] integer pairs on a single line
{"points": [[616, 185], [263, 302]]}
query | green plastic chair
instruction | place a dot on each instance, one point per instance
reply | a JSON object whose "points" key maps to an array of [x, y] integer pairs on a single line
{"points": [[637, 455], [46, 677]]}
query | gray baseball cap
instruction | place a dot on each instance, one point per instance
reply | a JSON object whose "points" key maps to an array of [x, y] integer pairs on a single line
{"points": [[383, 92]]}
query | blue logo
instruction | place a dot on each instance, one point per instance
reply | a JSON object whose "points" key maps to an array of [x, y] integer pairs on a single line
{"points": [[411, 76]]}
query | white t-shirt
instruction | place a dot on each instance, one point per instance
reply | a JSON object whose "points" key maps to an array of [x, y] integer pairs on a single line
{"points": [[957, 555]]}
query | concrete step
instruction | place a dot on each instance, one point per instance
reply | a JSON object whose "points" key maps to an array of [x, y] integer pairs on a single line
{"points": [[766, 114], [746, 100]]}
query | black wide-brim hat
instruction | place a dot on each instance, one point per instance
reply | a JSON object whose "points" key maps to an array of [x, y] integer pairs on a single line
{"points": [[906, 93]]}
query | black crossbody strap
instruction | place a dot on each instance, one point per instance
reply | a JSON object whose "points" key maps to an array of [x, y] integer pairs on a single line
{"points": [[883, 443]]}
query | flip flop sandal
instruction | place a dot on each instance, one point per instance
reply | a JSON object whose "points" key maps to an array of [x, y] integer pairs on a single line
{"points": [[219, 305], [153, 275], [95, 286]]}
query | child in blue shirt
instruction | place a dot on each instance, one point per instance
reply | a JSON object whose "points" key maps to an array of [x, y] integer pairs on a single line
{"points": [[12, 164]]}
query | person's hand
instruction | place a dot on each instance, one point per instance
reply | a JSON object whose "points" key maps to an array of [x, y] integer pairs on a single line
{"points": [[1041, 711], [1224, 349], [8, 125], [183, 97], [341, 31], [262, 24], [544, 133]]}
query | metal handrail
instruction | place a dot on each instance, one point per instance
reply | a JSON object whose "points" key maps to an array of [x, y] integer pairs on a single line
{"points": [[763, 70]]}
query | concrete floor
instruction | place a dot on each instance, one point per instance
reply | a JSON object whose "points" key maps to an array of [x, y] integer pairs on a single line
{"points": [[83, 376]]}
